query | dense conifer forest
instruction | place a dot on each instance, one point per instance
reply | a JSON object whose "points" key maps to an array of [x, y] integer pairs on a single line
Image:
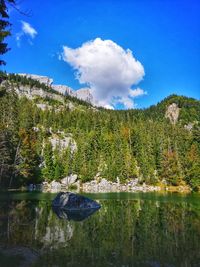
{"points": [[128, 144]]}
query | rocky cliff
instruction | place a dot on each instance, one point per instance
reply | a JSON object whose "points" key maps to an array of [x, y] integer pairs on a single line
{"points": [[42, 79], [172, 113], [83, 93]]}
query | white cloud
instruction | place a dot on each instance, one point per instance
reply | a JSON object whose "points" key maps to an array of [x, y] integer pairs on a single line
{"points": [[28, 30], [108, 69], [137, 92]]}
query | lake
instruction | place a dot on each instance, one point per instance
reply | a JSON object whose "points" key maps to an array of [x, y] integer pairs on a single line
{"points": [[130, 229]]}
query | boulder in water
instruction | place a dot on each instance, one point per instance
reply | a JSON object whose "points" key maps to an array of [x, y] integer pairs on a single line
{"points": [[71, 201], [74, 207]]}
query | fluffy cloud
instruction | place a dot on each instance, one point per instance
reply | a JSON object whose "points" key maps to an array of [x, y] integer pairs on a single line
{"points": [[26, 29], [108, 69], [137, 92]]}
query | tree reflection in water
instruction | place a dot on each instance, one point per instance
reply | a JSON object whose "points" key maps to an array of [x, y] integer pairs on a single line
{"points": [[122, 233], [74, 215]]}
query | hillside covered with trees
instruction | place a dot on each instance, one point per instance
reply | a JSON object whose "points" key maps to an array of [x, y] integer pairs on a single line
{"points": [[138, 143]]}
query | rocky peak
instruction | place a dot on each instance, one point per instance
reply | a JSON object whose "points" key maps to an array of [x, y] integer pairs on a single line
{"points": [[172, 113], [85, 94], [63, 89], [42, 79]]}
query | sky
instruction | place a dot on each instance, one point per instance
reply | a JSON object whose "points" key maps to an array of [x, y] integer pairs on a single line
{"points": [[130, 53]]}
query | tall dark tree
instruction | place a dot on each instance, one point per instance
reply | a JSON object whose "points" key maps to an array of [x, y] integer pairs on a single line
{"points": [[4, 26], [48, 170], [6, 157]]}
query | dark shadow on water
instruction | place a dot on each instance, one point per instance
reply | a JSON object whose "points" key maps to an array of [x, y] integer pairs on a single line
{"points": [[74, 215]]}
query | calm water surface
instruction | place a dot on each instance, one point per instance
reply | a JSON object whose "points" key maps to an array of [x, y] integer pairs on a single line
{"points": [[130, 229]]}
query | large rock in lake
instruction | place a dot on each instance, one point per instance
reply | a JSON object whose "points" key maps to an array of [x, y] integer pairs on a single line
{"points": [[75, 207], [71, 201]]}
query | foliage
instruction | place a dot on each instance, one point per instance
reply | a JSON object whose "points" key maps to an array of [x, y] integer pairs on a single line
{"points": [[129, 144], [4, 26]]}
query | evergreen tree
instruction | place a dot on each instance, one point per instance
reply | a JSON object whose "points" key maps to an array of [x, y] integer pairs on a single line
{"points": [[4, 24], [6, 158], [48, 170], [170, 168], [193, 168], [29, 161]]}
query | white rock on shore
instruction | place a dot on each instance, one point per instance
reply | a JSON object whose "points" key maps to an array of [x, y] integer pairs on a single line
{"points": [[55, 186], [103, 186], [68, 180], [107, 186]]}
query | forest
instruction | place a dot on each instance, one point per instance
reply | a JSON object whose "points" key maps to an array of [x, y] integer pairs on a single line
{"points": [[127, 144]]}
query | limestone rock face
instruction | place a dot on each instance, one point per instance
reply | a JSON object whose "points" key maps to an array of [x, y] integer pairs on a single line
{"points": [[43, 106], [71, 179], [63, 89], [70, 106], [62, 143], [31, 93], [85, 94], [55, 186], [172, 113], [42, 79], [189, 126]]}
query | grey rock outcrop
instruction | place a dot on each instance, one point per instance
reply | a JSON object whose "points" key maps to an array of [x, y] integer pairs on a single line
{"points": [[172, 113], [63, 89], [63, 142], [42, 79], [55, 186], [44, 106], [69, 180], [85, 94], [31, 93], [104, 186], [189, 126]]}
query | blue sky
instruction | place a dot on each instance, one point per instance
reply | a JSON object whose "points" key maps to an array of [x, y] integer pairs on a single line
{"points": [[164, 36]]}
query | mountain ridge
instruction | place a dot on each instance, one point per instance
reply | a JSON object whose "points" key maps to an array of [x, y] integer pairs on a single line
{"points": [[156, 145], [65, 90]]}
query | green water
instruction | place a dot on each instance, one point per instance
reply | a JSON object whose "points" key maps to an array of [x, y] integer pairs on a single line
{"points": [[130, 229]]}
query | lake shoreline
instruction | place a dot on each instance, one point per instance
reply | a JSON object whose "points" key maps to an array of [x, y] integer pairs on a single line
{"points": [[103, 187]]}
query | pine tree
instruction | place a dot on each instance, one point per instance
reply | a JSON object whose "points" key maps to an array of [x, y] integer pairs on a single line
{"points": [[170, 168], [29, 161], [58, 171], [4, 24], [6, 158], [193, 168], [48, 170]]}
